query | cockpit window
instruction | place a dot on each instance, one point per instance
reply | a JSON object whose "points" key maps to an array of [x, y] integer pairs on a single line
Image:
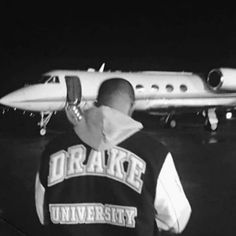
{"points": [[53, 79], [49, 79]]}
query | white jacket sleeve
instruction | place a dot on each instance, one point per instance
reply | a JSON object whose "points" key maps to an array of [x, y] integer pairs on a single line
{"points": [[39, 199], [172, 207]]}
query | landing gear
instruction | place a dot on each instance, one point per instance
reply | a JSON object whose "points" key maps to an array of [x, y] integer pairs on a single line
{"points": [[211, 120], [45, 118], [169, 121]]}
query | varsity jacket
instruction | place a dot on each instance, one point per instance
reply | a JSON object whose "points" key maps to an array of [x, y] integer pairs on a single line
{"points": [[107, 177]]}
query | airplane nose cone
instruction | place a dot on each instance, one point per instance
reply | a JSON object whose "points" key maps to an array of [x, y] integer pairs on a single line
{"points": [[16, 97], [9, 100], [42, 97]]}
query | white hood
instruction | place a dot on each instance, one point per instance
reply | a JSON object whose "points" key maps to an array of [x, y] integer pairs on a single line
{"points": [[103, 127]]}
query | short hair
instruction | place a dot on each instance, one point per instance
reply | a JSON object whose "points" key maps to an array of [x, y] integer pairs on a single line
{"points": [[113, 88]]}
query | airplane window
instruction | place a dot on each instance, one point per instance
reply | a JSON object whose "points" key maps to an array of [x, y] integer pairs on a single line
{"points": [[139, 87], [54, 79], [183, 87], [169, 88], [155, 87]]}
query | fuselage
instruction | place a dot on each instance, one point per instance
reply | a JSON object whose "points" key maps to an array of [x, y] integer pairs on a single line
{"points": [[153, 90]]}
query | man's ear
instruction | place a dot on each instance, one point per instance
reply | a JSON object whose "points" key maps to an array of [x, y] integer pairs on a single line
{"points": [[131, 109]]}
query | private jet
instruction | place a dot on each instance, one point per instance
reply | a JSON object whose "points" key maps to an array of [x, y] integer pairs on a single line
{"points": [[156, 92]]}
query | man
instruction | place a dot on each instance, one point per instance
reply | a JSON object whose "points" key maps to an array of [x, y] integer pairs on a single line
{"points": [[107, 177]]}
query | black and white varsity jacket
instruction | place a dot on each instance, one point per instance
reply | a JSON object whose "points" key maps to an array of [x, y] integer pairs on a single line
{"points": [[107, 177]]}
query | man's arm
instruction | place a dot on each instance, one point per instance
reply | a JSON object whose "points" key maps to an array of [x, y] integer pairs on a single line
{"points": [[171, 204]]}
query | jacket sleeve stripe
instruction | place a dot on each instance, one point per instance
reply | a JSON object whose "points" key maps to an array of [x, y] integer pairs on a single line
{"points": [[171, 204], [39, 199]]}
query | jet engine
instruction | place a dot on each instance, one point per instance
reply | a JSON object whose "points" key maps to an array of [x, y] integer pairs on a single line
{"points": [[222, 79]]}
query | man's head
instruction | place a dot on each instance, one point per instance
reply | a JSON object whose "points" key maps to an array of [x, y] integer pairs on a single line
{"points": [[117, 93]]}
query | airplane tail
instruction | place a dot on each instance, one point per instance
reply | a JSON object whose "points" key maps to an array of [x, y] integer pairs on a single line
{"points": [[101, 69]]}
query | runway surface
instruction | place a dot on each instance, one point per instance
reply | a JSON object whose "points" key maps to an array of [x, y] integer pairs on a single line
{"points": [[206, 164]]}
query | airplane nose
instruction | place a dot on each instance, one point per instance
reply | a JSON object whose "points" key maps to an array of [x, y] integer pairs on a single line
{"points": [[17, 97], [4, 101], [10, 99], [43, 97]]}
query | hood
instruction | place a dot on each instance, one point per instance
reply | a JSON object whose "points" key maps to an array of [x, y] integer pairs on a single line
{"points": [[103, 127]]}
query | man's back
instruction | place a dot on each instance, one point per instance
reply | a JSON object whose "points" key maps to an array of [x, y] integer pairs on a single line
{"points": [[107, 177], [102, 192]]}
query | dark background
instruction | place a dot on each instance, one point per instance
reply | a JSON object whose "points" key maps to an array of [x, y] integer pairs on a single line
{"points": [[38, 36]]}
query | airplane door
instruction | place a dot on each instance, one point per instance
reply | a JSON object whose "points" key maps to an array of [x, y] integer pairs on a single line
{"points": [[74, 90]]}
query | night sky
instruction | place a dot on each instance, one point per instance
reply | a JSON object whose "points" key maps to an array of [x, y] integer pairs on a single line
{"points": [[37, 37]]}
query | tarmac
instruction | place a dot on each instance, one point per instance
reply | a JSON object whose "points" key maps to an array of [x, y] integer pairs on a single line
{"points": [[205, 163]]}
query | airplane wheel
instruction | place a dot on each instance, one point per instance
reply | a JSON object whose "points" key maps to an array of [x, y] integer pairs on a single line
{"points": [[43, 131], [173, 123]]}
